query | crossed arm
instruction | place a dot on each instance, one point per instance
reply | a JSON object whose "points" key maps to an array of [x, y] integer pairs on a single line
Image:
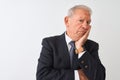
{"points": [[90, 65]]}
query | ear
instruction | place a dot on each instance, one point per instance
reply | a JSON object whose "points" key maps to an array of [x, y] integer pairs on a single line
{"points": [[66, 20]]}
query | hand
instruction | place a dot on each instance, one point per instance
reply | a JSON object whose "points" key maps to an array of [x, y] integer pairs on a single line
{"points": [[82, 76], [83, 39]]}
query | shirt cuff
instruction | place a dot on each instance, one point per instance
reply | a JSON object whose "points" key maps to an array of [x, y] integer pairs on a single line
{"points": [[76, 75], [80, 54]]}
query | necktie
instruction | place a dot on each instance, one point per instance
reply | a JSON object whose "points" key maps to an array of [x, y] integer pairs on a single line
{"points": [[73, 57], [72, 51]]}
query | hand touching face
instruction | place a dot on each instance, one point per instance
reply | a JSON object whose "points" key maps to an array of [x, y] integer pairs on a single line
{"points": [[81, 41]]}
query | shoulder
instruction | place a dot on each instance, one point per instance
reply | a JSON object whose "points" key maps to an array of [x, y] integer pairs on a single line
{"points": [[90, 45], [53, 39], [91, 42]]}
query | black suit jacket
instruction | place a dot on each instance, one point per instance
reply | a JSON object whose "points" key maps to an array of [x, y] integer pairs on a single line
{"points": [[54, 61]]}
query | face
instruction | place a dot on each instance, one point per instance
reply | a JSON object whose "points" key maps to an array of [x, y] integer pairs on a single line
{"points": [[77, 24]]}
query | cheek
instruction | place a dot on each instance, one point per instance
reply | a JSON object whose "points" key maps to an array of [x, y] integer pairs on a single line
{"points": [[78, 28], [74, 28], [71, 29]]}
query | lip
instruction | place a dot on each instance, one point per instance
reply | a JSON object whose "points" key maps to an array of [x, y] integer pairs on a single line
{"points": [[82, 31]]}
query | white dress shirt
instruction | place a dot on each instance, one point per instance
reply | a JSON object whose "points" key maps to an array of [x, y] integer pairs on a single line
{"points": [[68, 39]]}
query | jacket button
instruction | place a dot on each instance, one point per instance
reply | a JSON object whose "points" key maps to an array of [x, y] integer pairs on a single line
{"points": [[86, 66], [82, 62]]}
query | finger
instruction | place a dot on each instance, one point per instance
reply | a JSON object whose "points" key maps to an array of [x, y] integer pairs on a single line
{"points": [[87, 33]]}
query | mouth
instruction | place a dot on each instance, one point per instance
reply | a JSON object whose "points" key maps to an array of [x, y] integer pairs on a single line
{"points": [[81, 32]]}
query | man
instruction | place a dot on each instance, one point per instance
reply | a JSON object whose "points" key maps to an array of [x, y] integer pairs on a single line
{"points": [[56, 61]]}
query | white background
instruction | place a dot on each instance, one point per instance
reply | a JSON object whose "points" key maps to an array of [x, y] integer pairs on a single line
{"points": [[24, 23]]}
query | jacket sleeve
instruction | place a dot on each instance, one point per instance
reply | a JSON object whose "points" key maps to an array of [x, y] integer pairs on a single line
{"points": [[91, 64], [45, 69]]}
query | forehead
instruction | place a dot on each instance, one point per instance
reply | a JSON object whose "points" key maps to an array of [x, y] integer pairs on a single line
{"points": [[81, 13]]}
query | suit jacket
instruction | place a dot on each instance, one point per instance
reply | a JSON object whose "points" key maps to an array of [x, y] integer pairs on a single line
{"points": [[54, 61]]}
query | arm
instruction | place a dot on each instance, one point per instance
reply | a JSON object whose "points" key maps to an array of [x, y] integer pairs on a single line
{"points": [[89, 61], [45, 69], [91, 64]]}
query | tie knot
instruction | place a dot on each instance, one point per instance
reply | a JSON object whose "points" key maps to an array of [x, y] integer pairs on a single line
{"points": [[72, 43]]}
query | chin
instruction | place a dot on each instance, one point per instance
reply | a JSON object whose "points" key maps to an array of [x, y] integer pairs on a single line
{"points": [[77, 37]]}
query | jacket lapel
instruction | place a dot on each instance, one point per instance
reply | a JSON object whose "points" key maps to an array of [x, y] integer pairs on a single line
{"points": [[64, 50]]}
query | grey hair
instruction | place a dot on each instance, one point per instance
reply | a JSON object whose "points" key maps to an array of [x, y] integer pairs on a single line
{"points": [[84, 7]]}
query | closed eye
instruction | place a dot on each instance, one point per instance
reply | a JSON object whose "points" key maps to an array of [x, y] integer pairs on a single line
{"points": [[88, 22], [81, 20]]}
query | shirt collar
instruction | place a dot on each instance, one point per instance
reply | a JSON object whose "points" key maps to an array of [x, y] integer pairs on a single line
{"points": [[67, 38]]}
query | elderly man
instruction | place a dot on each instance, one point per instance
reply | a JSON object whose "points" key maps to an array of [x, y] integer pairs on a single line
{"points": [[71, 56]]}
